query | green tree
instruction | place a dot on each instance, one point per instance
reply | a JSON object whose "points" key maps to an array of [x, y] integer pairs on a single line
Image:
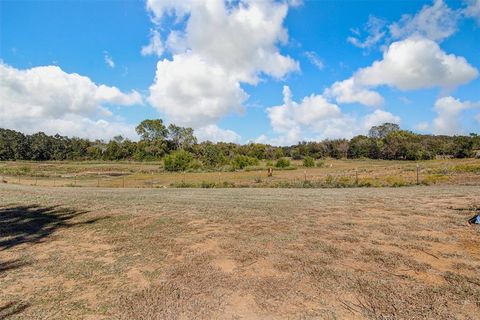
{"points": [[381, 131], [181, 138], [152, 130]]}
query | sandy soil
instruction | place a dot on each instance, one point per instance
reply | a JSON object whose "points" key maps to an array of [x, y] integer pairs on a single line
{"points": [[376, 253]]}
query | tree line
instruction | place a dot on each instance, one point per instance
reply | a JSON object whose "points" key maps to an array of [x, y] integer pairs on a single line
{"points": [[178, 147]]}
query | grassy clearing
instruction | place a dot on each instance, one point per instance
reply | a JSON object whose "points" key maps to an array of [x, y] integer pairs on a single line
{"points": [[330, 174], [360, 253]]}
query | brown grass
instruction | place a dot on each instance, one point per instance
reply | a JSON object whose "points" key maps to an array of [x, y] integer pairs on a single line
{"points": [[335, 173], [384, 253]]}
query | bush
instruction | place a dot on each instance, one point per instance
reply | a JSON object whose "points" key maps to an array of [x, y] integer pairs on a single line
{"points": [[308, 162], [195, 165], [320, 163], [177, 161], [208, 185], [282, 163], [240, 162]]}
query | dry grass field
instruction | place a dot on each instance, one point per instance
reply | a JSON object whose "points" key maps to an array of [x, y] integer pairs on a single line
{"points": [[333, 173], [357, 253]]}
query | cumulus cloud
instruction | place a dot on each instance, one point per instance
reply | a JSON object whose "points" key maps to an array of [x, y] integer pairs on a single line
{"points": [[108, 59], [215, 134], [194, 93], [51, 100], [378, 117], [448, 110], [410, 64], [348, 91], [417, 63], [317, 118], [155, 46], [218, 46]]}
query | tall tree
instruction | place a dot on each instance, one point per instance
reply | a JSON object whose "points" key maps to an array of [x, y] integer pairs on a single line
{"points": [[181, 138], [383, 130], [151, 130]]}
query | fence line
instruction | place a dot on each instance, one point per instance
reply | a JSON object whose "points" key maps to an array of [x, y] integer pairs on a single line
{"points": [[348, 178]]}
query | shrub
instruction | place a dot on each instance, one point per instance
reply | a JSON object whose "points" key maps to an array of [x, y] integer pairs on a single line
{"points": [[320, 163], [195, 165], [178, 161], [207, 184], [308, 162], [241, 161], [282, 163]]}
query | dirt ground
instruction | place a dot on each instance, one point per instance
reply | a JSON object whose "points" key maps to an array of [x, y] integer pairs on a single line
{"points": [[359, 253]]}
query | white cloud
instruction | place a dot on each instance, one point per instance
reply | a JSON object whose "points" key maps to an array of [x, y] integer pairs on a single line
{"points": [[410, 64], [435, 22], [347, 91], [473, 9], [51, 100], [315, 59], [215, 134], [315, 118], [375, 30], [218, 46], [417, 63], [193, 92], [379, 117], [108, 59], [155, 46], [422, 126], [447, 120]]}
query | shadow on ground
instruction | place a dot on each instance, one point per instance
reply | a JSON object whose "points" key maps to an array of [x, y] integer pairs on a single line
{"points": [[32, 224], [12, 308]]}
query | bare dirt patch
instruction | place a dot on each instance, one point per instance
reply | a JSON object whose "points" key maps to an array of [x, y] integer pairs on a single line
{"points": [[97, 253]]}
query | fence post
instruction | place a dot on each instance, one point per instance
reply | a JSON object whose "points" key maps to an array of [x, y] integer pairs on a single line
{"points": [[356, 176]]}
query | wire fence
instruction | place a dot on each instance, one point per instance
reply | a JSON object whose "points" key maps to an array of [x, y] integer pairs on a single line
{"points": [[299, 178]]}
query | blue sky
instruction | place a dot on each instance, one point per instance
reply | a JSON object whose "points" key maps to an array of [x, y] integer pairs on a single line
{"points": [[268, 71]]}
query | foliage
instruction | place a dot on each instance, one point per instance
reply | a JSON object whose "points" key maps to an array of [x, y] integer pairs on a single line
{"points": [[386, 141], [282, 163], [308, 162], [178, 160], [152, 130], [241, 162]]}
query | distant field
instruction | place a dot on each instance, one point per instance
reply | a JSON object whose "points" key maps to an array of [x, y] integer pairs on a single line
{"points": [[333, 173], [360, 253]]}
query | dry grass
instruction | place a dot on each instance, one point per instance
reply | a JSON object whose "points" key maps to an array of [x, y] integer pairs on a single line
{"points": [[335, 173], [384, 253]]}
